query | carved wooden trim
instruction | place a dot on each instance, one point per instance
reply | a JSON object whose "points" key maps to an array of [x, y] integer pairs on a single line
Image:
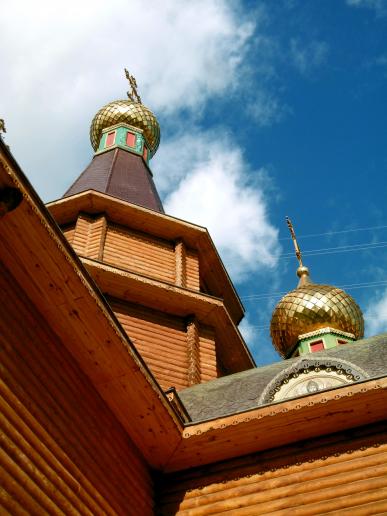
{"points": [[193, 351], [180, 264], [305, 366]]}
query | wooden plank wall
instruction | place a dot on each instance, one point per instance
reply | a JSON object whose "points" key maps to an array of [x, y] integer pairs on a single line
{"points": [[344, 473], [139, 253], [208, 367], [162, 340], [69, 232], [192, 273], [88, 236], [62, 450]]}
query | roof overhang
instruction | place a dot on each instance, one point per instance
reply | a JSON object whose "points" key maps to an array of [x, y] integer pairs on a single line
{"points": [[183, 302], [280, 424], [212, 270], [36, 253]]}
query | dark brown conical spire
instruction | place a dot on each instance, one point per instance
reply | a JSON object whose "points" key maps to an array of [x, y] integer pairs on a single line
{"points": [[125, 135], [121, 174]]}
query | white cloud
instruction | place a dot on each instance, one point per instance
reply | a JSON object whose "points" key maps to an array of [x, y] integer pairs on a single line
{"points": [[180, 56], [212, 186], [307, 57], [247, 330], [259, 342], [59, 64], [266, 109], [375, 315], [379, 6]]}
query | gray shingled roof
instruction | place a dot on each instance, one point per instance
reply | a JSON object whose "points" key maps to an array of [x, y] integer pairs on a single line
{"points": [[242, 391]]}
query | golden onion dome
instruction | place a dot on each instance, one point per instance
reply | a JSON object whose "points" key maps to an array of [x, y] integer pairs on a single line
{"points": [[311, 307], [130, 112]]}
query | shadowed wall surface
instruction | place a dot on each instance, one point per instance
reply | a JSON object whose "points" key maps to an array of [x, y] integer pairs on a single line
{"points": [[344, 473], [63, 451]]}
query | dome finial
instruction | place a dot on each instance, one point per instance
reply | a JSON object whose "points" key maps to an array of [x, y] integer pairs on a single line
{"points": [[133, 95], [302, 271], [296, 247], [131, 112]]}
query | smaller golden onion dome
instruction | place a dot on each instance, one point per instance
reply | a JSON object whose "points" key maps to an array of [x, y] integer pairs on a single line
{"points": [[311, 307], [129, 112]]}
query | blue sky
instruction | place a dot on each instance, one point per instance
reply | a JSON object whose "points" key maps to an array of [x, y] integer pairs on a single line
{"points": [[266, 108]]}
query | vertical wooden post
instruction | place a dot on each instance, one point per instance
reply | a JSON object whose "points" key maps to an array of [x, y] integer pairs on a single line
{"points": [[193, 351], [103, 237], [180, 264], [80, 241], [89, 236]]}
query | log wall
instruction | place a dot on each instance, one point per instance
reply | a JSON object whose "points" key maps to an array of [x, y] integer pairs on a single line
{"points": [[161, 340], [69, 232], [176, 355], [62, 450], [138, 252], [165, 343], [88, 236], [192, 272], [208, 361], [340, 474]]}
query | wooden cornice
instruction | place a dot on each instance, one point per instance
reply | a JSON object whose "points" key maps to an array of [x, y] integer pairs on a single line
{"points": [[66, 210], [175, 300], [36, 253], [138, 218], [280, 424]]}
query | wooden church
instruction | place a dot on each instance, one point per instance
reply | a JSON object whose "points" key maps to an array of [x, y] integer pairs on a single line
{"points": [[126, 387]]}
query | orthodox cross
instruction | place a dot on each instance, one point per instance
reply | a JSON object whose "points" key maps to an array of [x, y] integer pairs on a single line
{"points": [[133, 95], [296, 248]]}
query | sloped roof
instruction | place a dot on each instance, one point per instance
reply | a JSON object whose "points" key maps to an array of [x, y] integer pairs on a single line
{"points": [[120, 174], [243, 391], [37, 255]]}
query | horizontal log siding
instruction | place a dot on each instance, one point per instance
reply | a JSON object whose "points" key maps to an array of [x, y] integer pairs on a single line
{"points": [[88, 236], [342, 474], [208, 366], [96, 238], [161, 340], [139, 253], [62, 450], [69, 231], [81, 234], [192, 270]]}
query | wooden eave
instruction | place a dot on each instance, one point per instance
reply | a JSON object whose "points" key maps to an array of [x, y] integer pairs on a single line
{"points": [[67, 209], [175, 300], [279, 424], [36, 253]]}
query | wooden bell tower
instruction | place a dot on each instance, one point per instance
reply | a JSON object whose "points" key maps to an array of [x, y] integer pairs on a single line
{"points": [[161, 276]]}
